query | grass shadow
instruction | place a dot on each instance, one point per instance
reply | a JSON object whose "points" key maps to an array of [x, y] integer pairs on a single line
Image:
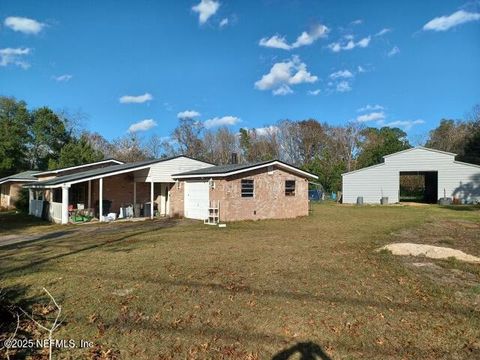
{"points": [[12, 221], [302, 351], [461, 207], [109, 242]]}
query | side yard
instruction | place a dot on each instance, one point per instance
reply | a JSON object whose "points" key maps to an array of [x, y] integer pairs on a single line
{"points": [[180, 289]]}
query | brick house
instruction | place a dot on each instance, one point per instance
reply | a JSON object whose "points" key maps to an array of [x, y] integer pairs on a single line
{"points": [[103, 190], [176, 186], [264, 190], [10, 187]]}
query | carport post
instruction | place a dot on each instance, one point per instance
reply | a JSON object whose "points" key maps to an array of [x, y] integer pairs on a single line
{"points": [[134, 193], [100, 199], [30, 198], [151, 199], [89, 194], [65, 203]]}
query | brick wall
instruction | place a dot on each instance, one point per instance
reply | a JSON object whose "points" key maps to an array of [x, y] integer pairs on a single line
{"points": [[119, 190], [4, 194], [176, 196], [10, 190], [269, 202]]}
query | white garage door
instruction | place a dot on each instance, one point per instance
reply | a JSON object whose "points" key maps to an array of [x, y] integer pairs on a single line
{"points": [[196, 199]]}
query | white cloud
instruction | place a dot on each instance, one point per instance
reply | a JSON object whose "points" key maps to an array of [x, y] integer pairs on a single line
{"points": [[304, 39], [188, 114], [345, 74], [291, 72], [282, 90], [395, 50], [267, 130], [343, 86], [63, 78], [350, 44], [405, 124], [308, 38], [443, 23], [206, 9], [361, 69], [143, 125], [383, 32], [14, 56], [276, 42], [373, 116], [223, 22], [357, 22], [221, 121], [370, 108], [364, 42], [129, 99], [314, 92], [24, 25]]}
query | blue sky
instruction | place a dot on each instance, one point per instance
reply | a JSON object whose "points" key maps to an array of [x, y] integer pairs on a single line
{"points": [[243, 63]]}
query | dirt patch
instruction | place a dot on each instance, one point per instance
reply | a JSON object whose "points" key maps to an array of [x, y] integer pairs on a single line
{"points": [[429, 251], [460, 277], [458, 234]]}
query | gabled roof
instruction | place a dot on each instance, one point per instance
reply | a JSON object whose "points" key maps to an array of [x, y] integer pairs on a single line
{"points": [[100, 172], [24, 176], [420, 148], [56, 171], [233, 169], [407, 150]]}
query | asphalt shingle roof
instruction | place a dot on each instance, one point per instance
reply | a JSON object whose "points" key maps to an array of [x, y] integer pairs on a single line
{"points": [[24, 175], [226, 169], [96, 172]]}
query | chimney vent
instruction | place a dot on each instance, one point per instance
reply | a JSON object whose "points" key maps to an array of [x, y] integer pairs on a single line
{"points": [[234, 158]]}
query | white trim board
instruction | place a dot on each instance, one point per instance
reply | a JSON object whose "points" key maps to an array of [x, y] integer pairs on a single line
{"points": [[56, 171]]}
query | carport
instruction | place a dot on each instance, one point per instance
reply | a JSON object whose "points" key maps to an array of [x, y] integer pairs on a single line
{"points": [[143, 185]]}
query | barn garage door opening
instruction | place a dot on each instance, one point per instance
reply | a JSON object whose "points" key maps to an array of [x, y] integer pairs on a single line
{"points": [[419, 186], [196, 199]]}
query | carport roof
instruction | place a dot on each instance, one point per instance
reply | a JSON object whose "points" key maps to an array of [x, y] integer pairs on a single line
{"points": [[22, 176], [232, 169], [97, 173]]}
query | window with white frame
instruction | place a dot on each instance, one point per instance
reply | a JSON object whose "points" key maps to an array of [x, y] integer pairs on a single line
{"points": [[248, 188], [290, 188]]}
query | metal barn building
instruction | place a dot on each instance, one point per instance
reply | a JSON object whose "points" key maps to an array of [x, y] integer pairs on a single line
{"points": [[442, 174]]}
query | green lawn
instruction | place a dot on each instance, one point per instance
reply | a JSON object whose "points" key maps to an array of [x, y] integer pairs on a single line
{"points": [[180, 289]]}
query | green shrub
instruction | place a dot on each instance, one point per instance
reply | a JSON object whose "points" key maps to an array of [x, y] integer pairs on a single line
{"points": [[22, 201]]}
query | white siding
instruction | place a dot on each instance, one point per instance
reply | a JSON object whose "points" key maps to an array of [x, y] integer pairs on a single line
{"points": [[458, 180], [371, 184], [163, 171]]}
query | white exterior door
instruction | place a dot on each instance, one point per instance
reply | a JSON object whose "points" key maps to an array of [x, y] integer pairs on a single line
{"points": [[196, 199]]}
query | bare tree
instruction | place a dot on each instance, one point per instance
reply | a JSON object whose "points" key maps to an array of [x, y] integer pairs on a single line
{"points": [[187, 137], [53, 326], [129, 148], [219, 145], [154, 146], [289, 141], [347, 142], [99, 143], [451, 135]]}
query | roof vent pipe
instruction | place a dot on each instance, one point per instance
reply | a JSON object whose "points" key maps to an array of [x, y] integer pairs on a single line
{"points": [[234, 159]]}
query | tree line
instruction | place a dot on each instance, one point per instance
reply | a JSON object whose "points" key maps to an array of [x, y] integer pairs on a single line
{"points": [[43, 139]]}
